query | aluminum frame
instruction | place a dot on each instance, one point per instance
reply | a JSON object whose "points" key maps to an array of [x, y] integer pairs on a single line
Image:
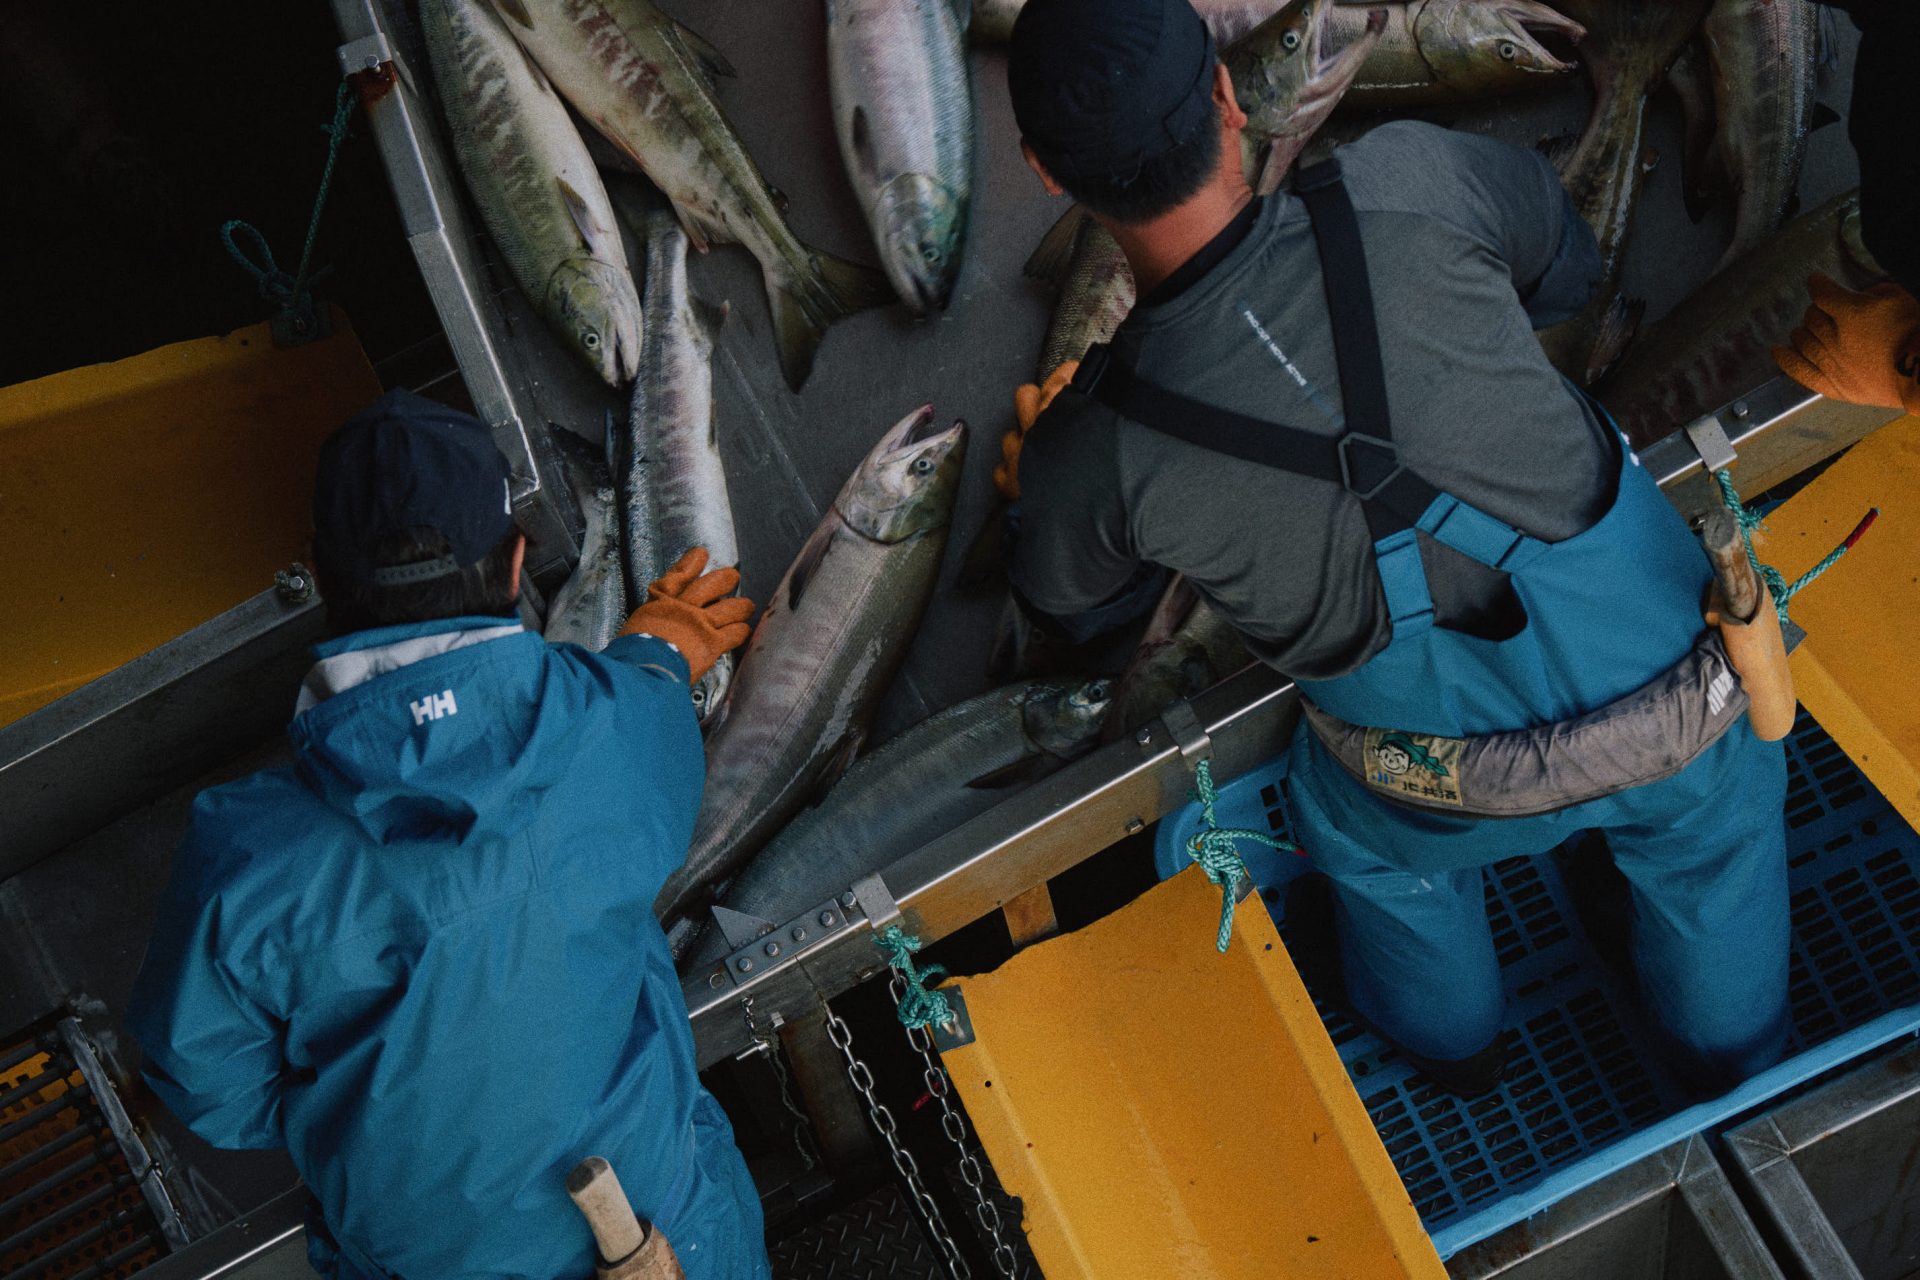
{"points": [[1821, 1153], [1676, 1209]]}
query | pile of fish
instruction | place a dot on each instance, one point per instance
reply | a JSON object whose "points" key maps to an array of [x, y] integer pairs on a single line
{"points": [[795, 810]]}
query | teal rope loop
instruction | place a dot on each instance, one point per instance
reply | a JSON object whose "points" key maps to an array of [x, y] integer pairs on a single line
{"points": [[1778, 587], [919, 1007], [1214, 847], [286, 291]]}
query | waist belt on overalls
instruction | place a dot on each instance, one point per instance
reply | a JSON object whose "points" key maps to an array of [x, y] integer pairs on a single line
{"points": [[1641, 736]]}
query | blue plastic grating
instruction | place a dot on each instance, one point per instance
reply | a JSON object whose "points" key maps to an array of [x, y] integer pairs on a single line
{"points": [[1579, 1081]]}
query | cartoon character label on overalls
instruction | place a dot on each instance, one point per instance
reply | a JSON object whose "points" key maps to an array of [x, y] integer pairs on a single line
{"points": [[1419, 765]]}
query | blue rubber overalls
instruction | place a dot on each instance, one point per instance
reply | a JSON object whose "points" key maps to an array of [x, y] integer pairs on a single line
{"points": [[1607, 611]]}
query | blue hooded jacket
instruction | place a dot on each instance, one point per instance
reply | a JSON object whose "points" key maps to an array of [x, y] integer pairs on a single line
{"points": [[423, 958]]}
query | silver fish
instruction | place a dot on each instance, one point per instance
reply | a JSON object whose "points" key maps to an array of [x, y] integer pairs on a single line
{"points": [[1763, 60], [916, 786], [1718, 344], [1188, 646], [536, 187], [673, 426], [825, 649], [903, 112], [644, 82], [590, 608]]}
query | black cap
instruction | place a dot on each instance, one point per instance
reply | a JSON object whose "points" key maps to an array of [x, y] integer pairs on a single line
{"points": [[1100, 87], [407, 462]]}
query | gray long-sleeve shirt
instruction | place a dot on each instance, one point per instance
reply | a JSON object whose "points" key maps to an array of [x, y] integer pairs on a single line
{"points": [[1470, 244]]}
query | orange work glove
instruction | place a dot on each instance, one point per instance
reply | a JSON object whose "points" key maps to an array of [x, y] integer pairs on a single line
{"points": [[1863, 348], [693, 612], [1029, 401]]}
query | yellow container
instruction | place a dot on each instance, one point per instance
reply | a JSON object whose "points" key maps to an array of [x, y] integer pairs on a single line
{"points": [[140, 498], [1856, 672], [1167, 1111]]}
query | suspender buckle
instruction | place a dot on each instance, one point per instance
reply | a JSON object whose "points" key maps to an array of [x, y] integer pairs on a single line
{"points": [[1092, 366], [1367, 474]]}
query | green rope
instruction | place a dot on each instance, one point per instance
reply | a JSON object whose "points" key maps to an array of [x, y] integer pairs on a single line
{"points": [[1214, 848], [289, 292], [1778, 587], [919, 1007]]}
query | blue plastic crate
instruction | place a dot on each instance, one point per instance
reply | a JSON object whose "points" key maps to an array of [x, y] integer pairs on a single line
{"points": [[1581, 1097]]}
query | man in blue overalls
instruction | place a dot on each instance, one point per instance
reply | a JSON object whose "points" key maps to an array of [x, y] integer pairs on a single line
{"points": [[422, 956], [1328, 410]]}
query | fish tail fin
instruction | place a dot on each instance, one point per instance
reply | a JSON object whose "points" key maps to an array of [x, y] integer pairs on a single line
{"points": [[803, 307], [1617, 328], [1055, 251]]}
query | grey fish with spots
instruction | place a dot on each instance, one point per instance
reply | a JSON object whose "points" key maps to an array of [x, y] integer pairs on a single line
{"points": [[673, 482], [917, 786], [1763, 59], [646, 83], [1188, 646], [1718, 344], [825, 649], [903, 113], [536, 187], [1629, 47]]}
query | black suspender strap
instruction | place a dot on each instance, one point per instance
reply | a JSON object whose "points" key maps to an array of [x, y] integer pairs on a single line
{"points": [[1362, 458]]}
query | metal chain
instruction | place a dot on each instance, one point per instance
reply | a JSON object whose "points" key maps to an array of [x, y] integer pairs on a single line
{"points": [[802, 1126], [862, 1076], [954, 1125]]}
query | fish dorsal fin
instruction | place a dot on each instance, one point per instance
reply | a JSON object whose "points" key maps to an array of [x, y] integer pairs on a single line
{"points": [[516, 10], [711, 315], [582, 214], [697, 236], [710, 58], [805, 565], [839, 760], [1028, 768], [1050, 259]]}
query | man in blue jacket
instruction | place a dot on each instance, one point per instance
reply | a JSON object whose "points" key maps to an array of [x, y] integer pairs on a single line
{"points": [[422, 957]]}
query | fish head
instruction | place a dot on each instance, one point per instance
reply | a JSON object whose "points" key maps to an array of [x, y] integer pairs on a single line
{"points": [[907, 484], [921, 221], [1485, 45], [1290, 72], [1063, 718], [595, 306]]}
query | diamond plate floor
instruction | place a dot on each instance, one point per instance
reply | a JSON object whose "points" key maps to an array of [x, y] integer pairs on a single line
{"points": [[872, 1239]]}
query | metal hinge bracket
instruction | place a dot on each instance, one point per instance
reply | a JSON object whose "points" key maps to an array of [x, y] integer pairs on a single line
{"points": [[368, 53], [1711, 442], [1188, 734]]}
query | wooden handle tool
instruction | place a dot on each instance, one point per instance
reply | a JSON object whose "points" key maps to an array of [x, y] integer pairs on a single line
{"points": [[629, 1248], [1750, 627]]}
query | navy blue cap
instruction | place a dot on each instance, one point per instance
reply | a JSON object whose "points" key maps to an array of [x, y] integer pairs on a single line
{"points": [[407, 462], [1100, 87]]}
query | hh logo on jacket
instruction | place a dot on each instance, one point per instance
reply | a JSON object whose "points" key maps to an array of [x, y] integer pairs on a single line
{"points": [[433, 707]]}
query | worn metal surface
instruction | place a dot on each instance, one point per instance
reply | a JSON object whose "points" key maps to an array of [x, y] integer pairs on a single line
{"points": [[874, 1238], [1837, 1172], [490, 334], [984, 864], [164, 718], [270, 1243], [1671, 1216]]}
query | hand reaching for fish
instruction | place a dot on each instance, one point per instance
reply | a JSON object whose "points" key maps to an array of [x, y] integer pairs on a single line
{"points": [[1861, 347], [695, 612]]}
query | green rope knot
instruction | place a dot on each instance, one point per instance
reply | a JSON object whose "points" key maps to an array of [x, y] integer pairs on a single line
{"points": [[1778, 587], [291, 292], [919, 1007], [1216, 849]]}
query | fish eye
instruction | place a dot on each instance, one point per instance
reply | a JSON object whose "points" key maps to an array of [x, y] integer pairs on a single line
{"points": [[590, 340], [1290, 41], [931, 254], [699, 696], [922, 465], [1509, 50]]}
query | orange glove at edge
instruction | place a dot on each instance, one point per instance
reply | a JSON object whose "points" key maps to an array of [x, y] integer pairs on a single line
{"points": [[694, 612], [1029, 402], [1863, 348]]}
